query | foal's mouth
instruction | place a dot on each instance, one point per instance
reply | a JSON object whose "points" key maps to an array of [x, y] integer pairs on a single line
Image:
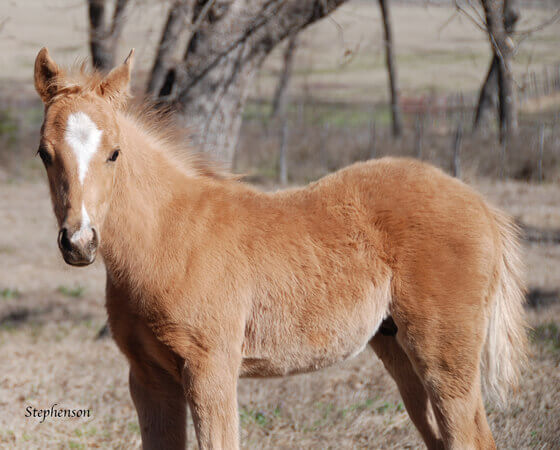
{"points": [[76, 260], [77, 263]]}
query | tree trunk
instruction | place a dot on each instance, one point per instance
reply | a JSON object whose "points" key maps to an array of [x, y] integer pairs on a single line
{"points": [[391, 67], [280, 96], [501, 16], [488, 97], [175, 26], [103, 37], [222, 58]]}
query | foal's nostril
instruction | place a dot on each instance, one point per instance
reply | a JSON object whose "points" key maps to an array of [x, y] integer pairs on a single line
{"points": [[95, 239], [63, 240]]}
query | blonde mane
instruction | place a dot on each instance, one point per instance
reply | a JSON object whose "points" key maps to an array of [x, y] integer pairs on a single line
{"points": [[159, 123]]}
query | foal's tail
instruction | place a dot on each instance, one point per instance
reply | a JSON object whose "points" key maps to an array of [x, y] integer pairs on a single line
{"points": [[505, 349]]}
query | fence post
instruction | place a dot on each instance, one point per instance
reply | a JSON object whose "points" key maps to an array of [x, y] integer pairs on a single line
{"points": [[323, 142], [372, 137], [535, 85], [457, 142], [282, 159], [546, 84], [503, 153], [418, 136], [541, 150]]}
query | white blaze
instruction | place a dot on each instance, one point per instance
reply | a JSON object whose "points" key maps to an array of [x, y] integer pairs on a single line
{"points": [[85, 233], [83, 137]]}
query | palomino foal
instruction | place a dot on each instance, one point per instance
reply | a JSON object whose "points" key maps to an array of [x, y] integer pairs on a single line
{"points": [[209, 279]]}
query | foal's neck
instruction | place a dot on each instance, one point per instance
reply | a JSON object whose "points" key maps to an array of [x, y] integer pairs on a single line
{"points": [[150, 202]]}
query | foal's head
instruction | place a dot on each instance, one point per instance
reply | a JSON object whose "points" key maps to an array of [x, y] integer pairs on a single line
{"points": [[80, 147]]}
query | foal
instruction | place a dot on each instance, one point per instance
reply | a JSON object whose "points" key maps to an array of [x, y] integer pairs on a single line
{"points": [[209, 279]]}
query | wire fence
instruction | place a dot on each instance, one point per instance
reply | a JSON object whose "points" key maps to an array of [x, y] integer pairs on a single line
{"points": [[314, 138]]}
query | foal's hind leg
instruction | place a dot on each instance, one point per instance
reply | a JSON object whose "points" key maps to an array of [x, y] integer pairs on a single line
{"points": [[412, 391], [446, 357]]}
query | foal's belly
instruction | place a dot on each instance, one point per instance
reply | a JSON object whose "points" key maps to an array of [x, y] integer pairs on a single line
{"points": [[293, 361], [308, 336]]}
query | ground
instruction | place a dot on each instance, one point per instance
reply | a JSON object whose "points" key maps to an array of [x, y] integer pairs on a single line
{"points": [[50, 314]]}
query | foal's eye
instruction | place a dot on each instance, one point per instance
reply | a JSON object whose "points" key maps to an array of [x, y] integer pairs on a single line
{"points": [[45, 156], [114, 155]]}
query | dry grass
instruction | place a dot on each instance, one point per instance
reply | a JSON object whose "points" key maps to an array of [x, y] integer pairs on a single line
{"points": [[328, 138], [50, 314]]}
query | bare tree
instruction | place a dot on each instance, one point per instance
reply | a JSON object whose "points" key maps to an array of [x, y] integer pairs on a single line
{"points": [[280, 95], [209, 87], [227, 42], [104, 35], [177, 23], [391, 67], [501, 16], [488, 97]]}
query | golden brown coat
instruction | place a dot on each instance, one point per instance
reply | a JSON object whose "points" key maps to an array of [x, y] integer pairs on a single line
{"points": [[209, 279]]}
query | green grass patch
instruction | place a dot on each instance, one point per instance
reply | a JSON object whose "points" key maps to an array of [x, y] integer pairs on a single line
{"points": [[383, 408], [26, 437], [548, 333], [338, 115], [134, 427], [257, 111], [8, 128], [249, 416], [359, 406], [262, 418], [10, 293], [76, 291]]}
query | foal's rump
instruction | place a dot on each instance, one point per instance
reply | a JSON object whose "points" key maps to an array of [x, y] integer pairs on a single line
{"points": [[455, 264]]}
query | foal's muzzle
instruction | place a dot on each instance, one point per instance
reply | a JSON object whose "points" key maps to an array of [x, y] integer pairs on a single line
{"points": [[80, 247]]}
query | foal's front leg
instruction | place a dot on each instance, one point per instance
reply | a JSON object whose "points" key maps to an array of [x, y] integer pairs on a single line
{"points": [[161, 407], [211, 388]]}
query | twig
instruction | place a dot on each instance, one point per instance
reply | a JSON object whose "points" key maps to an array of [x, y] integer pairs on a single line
{"points": [[4, 22], [555, 18], [203, 13]]}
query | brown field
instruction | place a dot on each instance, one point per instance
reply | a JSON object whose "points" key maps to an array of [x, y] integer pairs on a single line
{"points": [[51, 313]]}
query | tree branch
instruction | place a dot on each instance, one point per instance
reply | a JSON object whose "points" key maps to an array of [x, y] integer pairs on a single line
{"points": [[103, 38], [275, 20]]}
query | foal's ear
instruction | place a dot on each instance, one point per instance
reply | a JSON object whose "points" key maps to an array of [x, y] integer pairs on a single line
{"points": [[115, 86], [47, 75]]}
